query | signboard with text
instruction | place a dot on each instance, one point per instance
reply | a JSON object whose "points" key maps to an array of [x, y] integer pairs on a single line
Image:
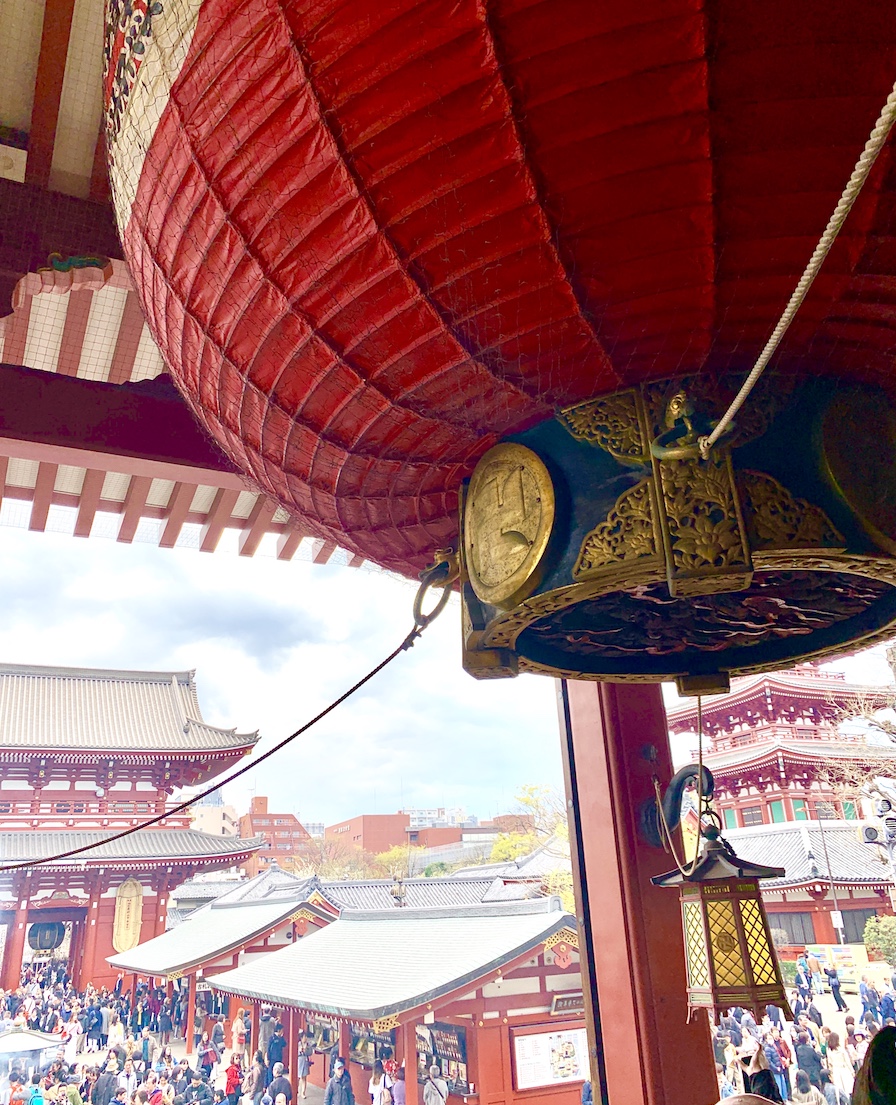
{"points": [[550, 1058]]}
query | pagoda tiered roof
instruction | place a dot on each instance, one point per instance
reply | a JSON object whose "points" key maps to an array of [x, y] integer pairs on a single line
{"points": [[76, 710], [148, 847], [799, 847], [805, 683], [746, 756]]}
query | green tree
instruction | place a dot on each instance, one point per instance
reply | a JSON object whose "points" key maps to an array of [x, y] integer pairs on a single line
{"points": [[509, 846], [539, 819], [401, 861], [880, 937]]}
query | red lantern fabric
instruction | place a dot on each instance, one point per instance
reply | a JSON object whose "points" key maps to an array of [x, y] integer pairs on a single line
{"points": [[373, 238]]}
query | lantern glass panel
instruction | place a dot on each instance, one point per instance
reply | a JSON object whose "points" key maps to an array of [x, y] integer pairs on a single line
{"points": [[756, 935], [695, 943], [730, 969]]}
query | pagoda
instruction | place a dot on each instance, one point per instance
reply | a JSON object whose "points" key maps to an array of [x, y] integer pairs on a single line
{"points": [[86, 754], [769, 741]]}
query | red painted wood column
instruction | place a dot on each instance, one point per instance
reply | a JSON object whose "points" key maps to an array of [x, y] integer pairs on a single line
{"points": [[14, 948], [406, 1053], [96, 885], [615, 740], [191, 1014]]}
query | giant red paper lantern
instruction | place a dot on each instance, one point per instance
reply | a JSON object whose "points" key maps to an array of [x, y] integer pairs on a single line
{"points": [[372, 238]]}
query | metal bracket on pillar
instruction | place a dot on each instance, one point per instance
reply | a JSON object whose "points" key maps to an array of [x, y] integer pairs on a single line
{"points": [[651, 813]]}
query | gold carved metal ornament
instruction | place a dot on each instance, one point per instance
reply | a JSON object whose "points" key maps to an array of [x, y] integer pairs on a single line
{"points": [[302, 915], [630, 532], [613, 422], [703, 530], [564, 936], [777, 519], [386, 1024], [691, 524], [509, 515]]}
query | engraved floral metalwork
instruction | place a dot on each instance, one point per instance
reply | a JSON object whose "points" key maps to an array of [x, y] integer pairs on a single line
{"points": [[777, 519], [612, 422], [629, 532]]}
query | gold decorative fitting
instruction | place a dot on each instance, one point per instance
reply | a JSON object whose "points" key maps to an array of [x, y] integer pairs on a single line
{"points": [[302, 915], [703, 531], [564, 936], [386, 1024], [615, 423], [629, 533], [509, 516], [777, 519]]}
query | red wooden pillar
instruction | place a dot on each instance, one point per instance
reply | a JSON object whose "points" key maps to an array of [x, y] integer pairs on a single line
{"points": [[406, 1052], [254, 1012], [91, 929], [615, 740], [290, 1020], [191, 1014], [345, 1041], [75, 956], [14, 948]]}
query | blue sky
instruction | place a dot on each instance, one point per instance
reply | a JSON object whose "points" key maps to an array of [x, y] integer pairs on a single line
{"points": [[272, 643]]}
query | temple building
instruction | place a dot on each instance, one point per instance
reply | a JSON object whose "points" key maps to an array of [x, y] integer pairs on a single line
{"points": [[87, 754], [770, 740], [770, 745]]}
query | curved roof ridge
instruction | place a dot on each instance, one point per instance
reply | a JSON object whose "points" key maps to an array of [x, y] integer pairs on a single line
{"points": [[183, 677]]}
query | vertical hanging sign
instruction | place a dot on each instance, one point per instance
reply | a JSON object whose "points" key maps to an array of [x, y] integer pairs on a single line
{"points": [[128, 916]]}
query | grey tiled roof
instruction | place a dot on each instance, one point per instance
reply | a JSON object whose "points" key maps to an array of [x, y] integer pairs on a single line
{"points": [[419, 893], [798, 847], [267, 885], [16, 847], [553, 855], [369, 965], [813, 748], [203, 890], [69, 709], [206, 934]]}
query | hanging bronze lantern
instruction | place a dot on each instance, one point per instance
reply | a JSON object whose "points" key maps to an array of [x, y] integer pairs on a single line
{"points": [[46, 936], [730, 956]]}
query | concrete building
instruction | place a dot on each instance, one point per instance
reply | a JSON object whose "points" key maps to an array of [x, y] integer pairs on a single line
{"points": [[284, 835], [212, 815]]}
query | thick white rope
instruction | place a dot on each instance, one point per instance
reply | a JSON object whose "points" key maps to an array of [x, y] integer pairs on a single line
{"points": [[873, 146]]}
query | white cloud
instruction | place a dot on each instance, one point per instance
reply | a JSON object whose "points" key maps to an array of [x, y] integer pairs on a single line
{"points": [[273, 643]]}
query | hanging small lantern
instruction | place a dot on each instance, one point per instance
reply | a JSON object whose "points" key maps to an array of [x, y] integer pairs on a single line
{"points": [[730, 956]]}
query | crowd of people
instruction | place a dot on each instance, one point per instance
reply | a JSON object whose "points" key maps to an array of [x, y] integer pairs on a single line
{"points": [[115, 1049], [801, 1059]]}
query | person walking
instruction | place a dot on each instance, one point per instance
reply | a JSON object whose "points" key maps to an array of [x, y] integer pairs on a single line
{"points": [[834, 981], [435, 1088], [256, 1080], [303, 1067], [276, 1049], [839, 1065], [805, 1093], [339, 1088], [238, 1033], [280, 1084], [234, 1081], [380, 1085]]}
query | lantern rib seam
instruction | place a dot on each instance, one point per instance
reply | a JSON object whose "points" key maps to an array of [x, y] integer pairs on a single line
{"points": [[552, 236]]}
